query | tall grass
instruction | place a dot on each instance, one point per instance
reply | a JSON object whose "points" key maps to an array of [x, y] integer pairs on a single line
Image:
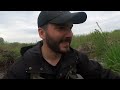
{"points": [[105, 47], [79, 40], [111, 57], [99, 40], [99, 45]]}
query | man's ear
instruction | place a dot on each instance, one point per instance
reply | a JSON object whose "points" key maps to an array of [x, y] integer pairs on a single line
{"points": [[41, 32]]}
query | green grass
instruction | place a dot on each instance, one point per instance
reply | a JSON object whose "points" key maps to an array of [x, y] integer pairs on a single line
{"points": [[79, 40], [10, 51], [102, 46], [111, 57]]}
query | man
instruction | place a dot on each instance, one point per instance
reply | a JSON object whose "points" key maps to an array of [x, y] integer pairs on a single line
{"points": [[53, 58]]}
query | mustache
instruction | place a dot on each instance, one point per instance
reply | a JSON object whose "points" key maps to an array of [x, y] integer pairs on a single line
{"points": [[66, 40]]}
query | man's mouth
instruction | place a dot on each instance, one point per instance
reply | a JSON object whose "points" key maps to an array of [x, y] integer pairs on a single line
{"points": [[67, 40], [65, 44]]}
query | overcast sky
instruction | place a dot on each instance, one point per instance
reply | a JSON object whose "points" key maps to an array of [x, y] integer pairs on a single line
{"points": [[21, 26]]}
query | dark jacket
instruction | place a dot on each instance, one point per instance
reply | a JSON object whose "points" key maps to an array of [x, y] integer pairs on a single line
{"points": [[32, 66]]}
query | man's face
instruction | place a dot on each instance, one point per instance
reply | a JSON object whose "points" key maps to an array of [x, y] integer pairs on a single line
{"points": [[58, 37]]}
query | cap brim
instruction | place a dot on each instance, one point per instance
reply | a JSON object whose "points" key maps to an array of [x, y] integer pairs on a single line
{"points": [[75, 18]]}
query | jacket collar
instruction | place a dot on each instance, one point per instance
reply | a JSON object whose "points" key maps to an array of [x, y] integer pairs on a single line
{"points": [[36, 63]]}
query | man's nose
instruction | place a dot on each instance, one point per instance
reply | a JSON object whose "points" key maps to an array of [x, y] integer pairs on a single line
{"points": [[69, 34]]}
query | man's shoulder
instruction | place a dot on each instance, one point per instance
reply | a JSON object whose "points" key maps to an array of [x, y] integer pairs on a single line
{"points": [[17, 70], [24, 49], [30, 48], [84, 58], [80, 54], [18, 63]]}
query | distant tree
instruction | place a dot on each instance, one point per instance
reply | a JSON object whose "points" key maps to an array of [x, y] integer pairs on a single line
{"points": [[1, 40], [117, 30]]}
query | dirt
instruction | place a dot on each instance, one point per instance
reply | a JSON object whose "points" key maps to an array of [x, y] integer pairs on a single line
{"points": [[1, 74]]}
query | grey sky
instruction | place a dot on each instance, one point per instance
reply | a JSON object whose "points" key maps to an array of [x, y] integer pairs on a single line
{"points": [[21, 26]]}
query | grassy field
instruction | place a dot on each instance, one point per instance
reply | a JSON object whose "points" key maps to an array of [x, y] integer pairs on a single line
{"points": [[101, 46]]}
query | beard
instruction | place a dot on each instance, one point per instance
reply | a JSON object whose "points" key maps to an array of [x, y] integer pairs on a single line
{"points": [[54, 44]]}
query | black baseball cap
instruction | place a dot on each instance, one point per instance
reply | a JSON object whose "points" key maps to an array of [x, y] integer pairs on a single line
{"points": [[61, 17]]}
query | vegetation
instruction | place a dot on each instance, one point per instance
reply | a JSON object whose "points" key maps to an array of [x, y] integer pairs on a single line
{"points": [[9, 52], [1, 40], [101, 46]]}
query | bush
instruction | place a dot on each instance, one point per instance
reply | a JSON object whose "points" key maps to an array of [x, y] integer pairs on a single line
{"points": [[1, 40]]}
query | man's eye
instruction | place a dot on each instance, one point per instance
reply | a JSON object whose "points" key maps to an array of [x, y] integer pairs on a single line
{"points": [[64, 28], [61, 27]]}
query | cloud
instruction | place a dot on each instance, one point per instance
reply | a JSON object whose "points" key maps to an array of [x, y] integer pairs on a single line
{"points": [[18, 24], [108, 21], [21, 26]]}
